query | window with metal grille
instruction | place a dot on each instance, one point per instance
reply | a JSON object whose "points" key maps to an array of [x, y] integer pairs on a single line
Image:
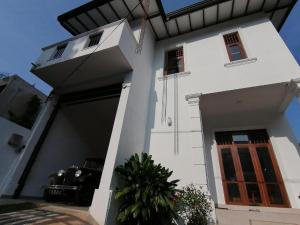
{"points": [[59, 51], [94, 40], [234, 46], [174, 61]]}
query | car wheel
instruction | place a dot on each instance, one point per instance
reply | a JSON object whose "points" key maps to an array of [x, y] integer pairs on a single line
{"points": [[84, 196]]}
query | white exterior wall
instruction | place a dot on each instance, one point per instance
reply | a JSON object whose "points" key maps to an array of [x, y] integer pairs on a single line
{"points": [[287, 152], [9, 155], [174, 130], [129, 132], [11, 182]]}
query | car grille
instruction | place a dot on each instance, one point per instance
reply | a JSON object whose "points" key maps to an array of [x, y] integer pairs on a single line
{"points": [[69, 176]]}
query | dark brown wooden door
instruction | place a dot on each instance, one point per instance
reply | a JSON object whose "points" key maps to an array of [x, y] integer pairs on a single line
{"points": [[250, 173]]}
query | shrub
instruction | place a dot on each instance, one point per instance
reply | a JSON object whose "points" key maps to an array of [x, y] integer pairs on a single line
{"points": [[193, 206], [146, 195]]}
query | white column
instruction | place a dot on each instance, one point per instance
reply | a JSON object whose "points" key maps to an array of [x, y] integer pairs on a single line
{"points": [[102, 208], [40, 123], [198, 141]]}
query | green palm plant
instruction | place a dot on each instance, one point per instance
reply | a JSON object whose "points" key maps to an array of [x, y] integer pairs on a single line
{"points": [[146, 195]]}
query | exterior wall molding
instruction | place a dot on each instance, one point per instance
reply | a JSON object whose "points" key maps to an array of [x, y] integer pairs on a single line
{"points": [[293, 90], [240, 62], [193, 97], [296, 87], [174, 75]]}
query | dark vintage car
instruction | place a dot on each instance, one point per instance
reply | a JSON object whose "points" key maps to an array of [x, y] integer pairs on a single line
{"points": [[76, 184]]}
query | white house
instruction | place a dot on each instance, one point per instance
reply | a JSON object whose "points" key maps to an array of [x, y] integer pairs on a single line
{"points": [[203, 90]]}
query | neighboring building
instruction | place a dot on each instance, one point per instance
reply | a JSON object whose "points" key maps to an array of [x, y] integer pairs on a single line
{"points": [[205, 95], [15, 98]]}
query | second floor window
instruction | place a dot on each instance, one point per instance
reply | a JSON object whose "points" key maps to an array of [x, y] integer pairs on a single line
{"points": [[234, 47], [174, 61], [59, 51], [94, 40]]}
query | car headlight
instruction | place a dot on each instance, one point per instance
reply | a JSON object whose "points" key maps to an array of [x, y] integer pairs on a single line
{"points": [[78, 173], [60, 173]]}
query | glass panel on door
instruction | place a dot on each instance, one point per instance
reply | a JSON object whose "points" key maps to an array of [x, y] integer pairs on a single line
{"points": [[229, 169], [267, 167], [230, 176], [249, 175]]}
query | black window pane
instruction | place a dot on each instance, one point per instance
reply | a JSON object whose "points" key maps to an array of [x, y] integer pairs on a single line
{"points": [[266, 164], [234, 49], [228, 165], [253, 193], [94, 40], [59, 51], [233, 192], [274, 194], [247, 165], [175, 61], [235, 52]]}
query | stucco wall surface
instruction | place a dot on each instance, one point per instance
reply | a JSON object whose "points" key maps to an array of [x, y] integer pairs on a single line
{"points": [[9, 155], [174, 133]]}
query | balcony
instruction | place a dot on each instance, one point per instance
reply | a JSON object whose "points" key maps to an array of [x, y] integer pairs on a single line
{"points": [[99, 54]]}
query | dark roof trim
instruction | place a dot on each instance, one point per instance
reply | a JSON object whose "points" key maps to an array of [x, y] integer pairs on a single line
{"points": [[129, 11], [161, 9], [63, 19], [195, 7], [287, 14], [86, 7]]}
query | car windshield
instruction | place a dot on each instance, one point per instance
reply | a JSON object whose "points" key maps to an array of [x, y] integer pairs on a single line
{"points": [[93, 164]]}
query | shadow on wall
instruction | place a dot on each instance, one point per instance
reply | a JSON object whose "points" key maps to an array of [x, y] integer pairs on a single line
{"points": [[292, 113], [283, 129], [153, 99], [209, 144]]}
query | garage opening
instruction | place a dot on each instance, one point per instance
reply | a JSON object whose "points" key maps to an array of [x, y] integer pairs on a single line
{"points": [[81, 130]]}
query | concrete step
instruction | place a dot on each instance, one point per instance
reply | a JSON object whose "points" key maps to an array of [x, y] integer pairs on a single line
{"points": [[244, 215]]}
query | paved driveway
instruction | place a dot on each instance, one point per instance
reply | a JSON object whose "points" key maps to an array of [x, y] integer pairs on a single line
{"points": [[48, 215]]}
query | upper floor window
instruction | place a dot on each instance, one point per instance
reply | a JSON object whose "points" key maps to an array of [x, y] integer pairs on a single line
{"points": [[59, 51], [174, 61], [234, 46], [94, 40]]}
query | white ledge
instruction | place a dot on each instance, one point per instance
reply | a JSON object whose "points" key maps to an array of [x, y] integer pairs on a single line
{"points": [[240, 62], [174, 75]]}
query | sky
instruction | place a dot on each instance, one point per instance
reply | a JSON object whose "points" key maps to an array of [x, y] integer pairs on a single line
{"points": [[29, 25]]}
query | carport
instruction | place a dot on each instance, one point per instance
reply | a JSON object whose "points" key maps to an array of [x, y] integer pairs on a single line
{"points": [[81, 128]]}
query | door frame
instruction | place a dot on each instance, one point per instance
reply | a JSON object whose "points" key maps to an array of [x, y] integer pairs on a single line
{"points": [[257, 168]]}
